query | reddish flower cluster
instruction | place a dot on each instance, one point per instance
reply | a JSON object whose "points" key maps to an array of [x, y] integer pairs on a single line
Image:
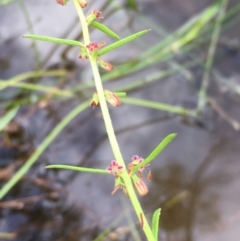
{"points": [[62, 2], [135, 161], [115, 168], [92, 48], [97, 13], [111, 97], [139, 184], [93, 15]]}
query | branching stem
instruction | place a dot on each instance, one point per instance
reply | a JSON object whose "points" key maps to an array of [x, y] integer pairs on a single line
{"points": [[110, 130]]}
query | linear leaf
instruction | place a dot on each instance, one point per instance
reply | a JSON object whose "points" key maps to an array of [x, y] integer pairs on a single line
{"points": [[156, 151], [8, 117], [104, 29], [155, 223], [122, 42], [79, 169], [54, 40]]}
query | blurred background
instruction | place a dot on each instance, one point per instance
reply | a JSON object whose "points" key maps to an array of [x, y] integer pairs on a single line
{"points": [[182, 77]]}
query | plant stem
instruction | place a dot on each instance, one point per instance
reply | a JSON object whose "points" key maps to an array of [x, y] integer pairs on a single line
{"points": [[110, 130], [202, 99]]}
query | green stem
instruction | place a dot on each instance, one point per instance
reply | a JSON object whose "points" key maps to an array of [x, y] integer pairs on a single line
{"points": [[110, 130], [210, 58]]}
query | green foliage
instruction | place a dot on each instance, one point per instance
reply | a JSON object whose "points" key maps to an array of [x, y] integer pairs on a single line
{"points": [[155, 223], [184, 39], [122, 42], [160, 147], [104, 29], [8, 117], [78, 169], [54, 40]]}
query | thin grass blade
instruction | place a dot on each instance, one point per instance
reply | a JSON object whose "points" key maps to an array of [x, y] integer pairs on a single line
{"points": [[78, 169], [159, 106], [8, 117]]}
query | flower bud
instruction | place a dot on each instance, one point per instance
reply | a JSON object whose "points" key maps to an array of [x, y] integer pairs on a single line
{"points": [[93, 15], [83, 3], [139, 185], [83, 53], [62, 2], [112, 98], [149, 176], [95, 101], [105, 65]]}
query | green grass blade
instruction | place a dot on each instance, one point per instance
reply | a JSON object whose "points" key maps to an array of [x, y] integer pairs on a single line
{"points": [[46, 142], [49, 90], [159, 106], [202, 98], [155, 223], [35, 74], [78, 169], [8, 117], [122, 42], [54, 40], [155, 152], [103, 28]]}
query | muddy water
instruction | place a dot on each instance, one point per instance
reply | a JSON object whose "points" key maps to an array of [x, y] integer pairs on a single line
{"points": [[195, 180]]}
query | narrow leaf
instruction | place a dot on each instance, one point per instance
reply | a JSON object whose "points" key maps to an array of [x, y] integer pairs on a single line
{"points": [[54, 40], [121, 94], [122, 42], [8, 117], [79, 169], [156, 151], [155, 223], [104, 29]]}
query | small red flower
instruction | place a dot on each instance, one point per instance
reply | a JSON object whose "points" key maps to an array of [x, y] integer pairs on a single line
{"points": [[95, 46], [114, 168], [95, 14], [135, 161], [62, 2]]}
